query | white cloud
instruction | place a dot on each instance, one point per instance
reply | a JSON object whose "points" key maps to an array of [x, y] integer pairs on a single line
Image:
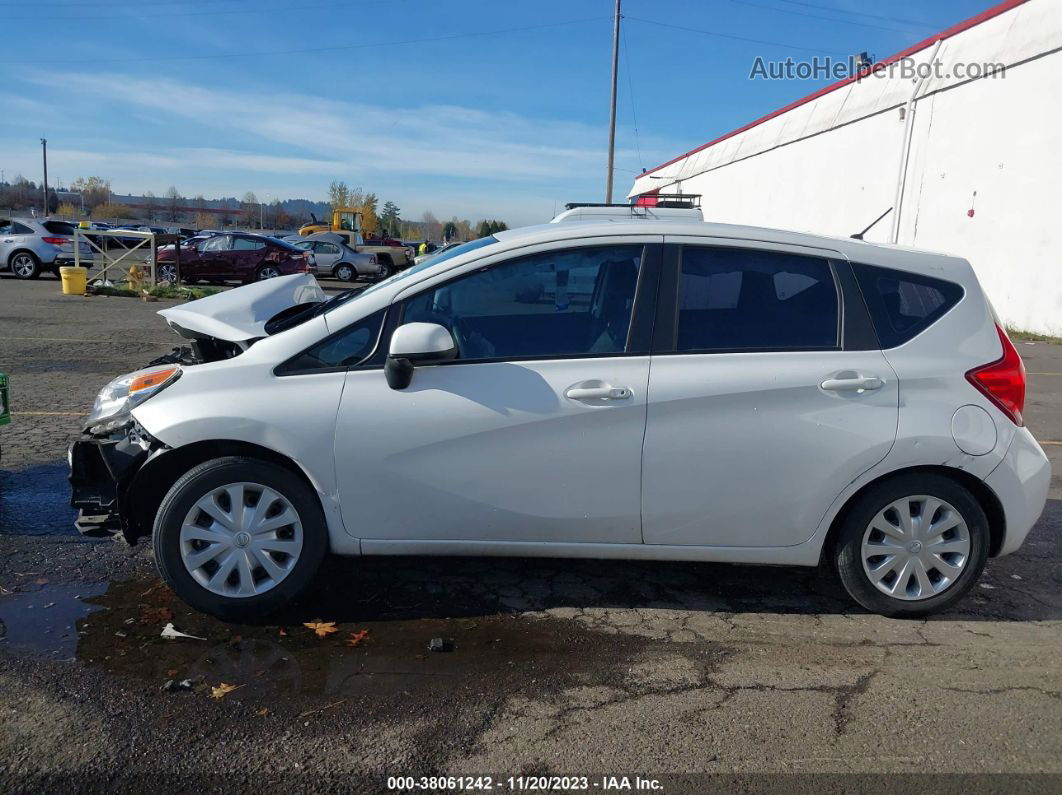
{"points": [[515, 161]]}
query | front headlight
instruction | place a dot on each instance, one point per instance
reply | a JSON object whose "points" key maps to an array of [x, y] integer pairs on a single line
{"points": [[114, 402]]}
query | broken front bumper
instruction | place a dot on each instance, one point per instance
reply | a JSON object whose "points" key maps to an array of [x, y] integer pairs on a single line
{"points": [[101, 470]]}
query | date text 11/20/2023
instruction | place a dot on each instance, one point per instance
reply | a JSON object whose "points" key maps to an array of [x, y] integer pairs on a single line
{"points": [[523, 783]]}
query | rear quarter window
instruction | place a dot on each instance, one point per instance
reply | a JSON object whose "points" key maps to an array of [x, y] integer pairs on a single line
{"points": [[903, 305]]}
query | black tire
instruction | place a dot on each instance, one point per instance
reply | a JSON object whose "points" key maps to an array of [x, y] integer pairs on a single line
{"points": [[847, 551], [384, 267], [25, 265], [345, 272], [210, 475], [163, 271], [267, 272]]}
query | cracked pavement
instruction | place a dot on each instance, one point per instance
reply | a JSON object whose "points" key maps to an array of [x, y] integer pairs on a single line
{"points": [[557, 667]]}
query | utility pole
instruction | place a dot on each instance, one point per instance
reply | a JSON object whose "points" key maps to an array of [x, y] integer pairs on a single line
{"points": [[612, 110], [44, 151]]}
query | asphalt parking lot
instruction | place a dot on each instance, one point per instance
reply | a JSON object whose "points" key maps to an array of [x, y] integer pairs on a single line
{"points": [[582, 668]]}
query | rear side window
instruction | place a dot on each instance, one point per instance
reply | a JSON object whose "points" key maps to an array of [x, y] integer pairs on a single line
{"points": [[902, 304], [59, 227], [247, 244], [733, 299]]}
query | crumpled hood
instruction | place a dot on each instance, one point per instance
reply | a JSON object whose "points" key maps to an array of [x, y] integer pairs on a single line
{"points": [[241, 314]]}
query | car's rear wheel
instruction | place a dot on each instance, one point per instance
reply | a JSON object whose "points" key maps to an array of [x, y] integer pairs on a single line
{"points": [[25, 265], [345, 272], [267, 272], [239, 538], [912, 546]]}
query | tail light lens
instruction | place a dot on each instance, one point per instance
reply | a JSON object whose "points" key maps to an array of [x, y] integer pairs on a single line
{"points": [[1003, 381], [56, 241]]}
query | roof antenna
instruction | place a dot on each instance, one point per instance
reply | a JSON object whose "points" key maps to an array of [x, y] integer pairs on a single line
{"points": [[859, 235]]}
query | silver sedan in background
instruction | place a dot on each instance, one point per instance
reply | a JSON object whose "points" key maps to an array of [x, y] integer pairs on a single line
{"points": [[335, 258], [30, 246]]}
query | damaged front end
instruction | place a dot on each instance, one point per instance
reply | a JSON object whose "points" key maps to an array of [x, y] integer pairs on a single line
{"points": [[102, 470], [114, 482]]}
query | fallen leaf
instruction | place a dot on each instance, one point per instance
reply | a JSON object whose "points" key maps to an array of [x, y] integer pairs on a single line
{"points": [[283, 632], [172, 672], [262, 712], [222, 690], [322, 628], [357, 637], [41, 581]]}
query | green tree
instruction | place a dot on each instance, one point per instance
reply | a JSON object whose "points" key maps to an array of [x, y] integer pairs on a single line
{"points": [[449, 230], [484, 228], [390, 218]]}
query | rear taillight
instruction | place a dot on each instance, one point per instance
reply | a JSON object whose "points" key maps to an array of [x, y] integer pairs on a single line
{"points": [[1003, 381], [56, 241]]}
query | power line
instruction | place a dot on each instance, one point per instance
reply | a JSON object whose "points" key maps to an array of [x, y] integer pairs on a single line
{"points": [[776, 10], [716, 34], [856, 13], [315, 50]]}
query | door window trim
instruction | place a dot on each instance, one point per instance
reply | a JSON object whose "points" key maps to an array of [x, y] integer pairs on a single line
{"points": [[642, 318], [665, 337]]}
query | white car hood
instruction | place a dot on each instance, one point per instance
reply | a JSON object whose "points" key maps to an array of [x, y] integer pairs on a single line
{"points": [[241, 314]]}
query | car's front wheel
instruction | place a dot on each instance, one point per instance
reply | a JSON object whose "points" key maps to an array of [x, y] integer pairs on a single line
{"points": [[167, 272], [384, 268], [239, 538], [912, 546], [25, 265]]}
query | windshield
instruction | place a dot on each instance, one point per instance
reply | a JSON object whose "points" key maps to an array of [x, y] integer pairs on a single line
{"points": [[456, 251]]}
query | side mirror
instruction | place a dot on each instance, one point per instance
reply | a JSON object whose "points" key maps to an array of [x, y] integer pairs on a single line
{"points": [[413, 344]]}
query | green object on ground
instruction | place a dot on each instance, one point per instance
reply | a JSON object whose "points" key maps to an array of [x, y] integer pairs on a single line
{"points": [[5, 407]]}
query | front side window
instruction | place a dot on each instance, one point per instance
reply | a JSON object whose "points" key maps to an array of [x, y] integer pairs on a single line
{"points": [[733, 299], [219, 243], [559, 303], [343, 349]]}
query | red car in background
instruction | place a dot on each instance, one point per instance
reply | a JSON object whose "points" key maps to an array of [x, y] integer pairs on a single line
{"points": [[238, 256]]}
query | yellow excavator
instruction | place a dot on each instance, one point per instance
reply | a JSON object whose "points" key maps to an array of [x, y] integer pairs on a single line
{"points": [[344, 219]]}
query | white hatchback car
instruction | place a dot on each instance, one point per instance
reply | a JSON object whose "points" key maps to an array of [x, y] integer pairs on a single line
{"points": [[609, 388]]}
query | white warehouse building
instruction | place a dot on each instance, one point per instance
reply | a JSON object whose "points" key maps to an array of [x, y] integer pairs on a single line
{"points": [[970, 166]]}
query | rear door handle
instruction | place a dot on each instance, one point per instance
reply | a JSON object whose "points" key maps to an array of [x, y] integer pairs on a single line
{"points": [[858, 383], [603, 392]]}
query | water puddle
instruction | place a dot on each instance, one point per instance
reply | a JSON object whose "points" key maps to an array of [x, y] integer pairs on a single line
{"points": [[44, 619], [341, 660], [35, 501]]}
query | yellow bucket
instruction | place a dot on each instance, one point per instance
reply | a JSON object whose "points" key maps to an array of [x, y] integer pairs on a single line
{"points": [[75, 279]]}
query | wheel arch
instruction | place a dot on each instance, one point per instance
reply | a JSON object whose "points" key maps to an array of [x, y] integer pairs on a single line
{"points": [[146, 489], [986, 498], [23, 250]]}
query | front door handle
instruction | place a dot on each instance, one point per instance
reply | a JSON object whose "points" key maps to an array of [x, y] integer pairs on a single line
{"points": [[602, 392], [854, 383]]}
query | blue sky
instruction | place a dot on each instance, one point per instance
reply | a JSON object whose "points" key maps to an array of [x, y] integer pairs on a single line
{"points": [[503, 115]]}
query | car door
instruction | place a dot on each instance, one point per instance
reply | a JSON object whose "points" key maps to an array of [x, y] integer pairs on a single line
{"points": [[533, 433], [246, 255], [212, 260], [325, 255], [768, 394]]}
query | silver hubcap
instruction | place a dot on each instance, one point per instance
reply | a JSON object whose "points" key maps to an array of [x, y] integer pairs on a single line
{"points": [[915, 548], [343, 272], [23, 265], [268, 273], [168, 273], [241, 539]]}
